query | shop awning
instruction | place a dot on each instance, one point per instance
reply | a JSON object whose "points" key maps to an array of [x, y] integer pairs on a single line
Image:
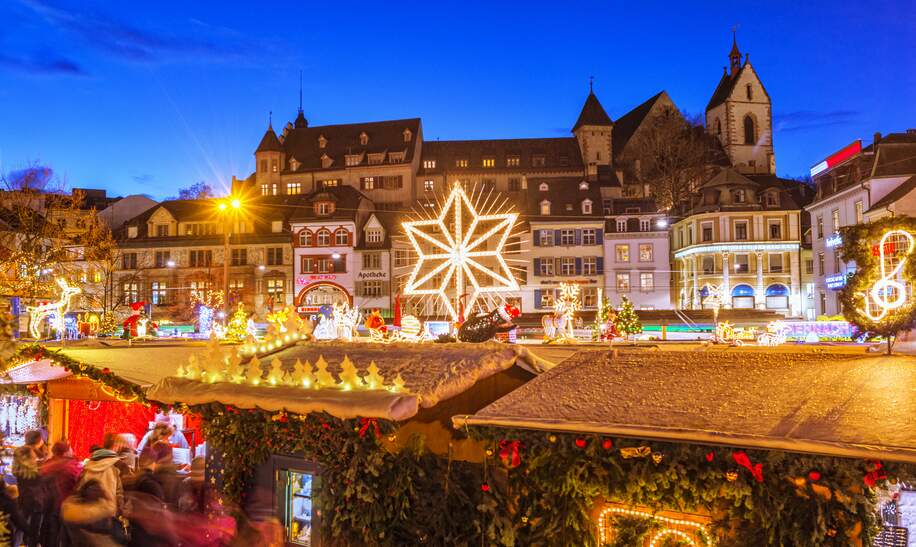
{"points": [[824, 402]]}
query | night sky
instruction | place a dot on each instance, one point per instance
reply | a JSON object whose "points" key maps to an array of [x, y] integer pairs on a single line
{"points": [[147, 100]]}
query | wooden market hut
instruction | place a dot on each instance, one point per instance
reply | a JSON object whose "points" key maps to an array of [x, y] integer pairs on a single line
{"points": [[351, 443], [738, 446]]}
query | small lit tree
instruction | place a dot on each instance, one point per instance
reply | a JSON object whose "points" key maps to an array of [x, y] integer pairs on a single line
{"points": [[604, 314], [627, 321], [878, 297], [237, 328]]}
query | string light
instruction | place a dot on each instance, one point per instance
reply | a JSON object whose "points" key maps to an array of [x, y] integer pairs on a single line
{"points": [[607, 512], [888, 293], [457, 253]]}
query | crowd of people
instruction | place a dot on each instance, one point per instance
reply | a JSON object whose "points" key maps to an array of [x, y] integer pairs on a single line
{"points": [[117, 496]]}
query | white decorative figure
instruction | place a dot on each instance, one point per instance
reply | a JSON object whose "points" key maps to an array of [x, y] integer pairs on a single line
{"points": [[53, 311], [326, 329], [559, 325], [345, 319], [410, 328], [775, 334]]}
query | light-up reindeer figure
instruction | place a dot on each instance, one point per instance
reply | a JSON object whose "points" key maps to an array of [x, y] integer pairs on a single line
{"points": [[55, 310], [559, 326], [887, 293]]}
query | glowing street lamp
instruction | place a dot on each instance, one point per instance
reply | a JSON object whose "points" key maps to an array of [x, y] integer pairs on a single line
{"points": [[232, 205]]}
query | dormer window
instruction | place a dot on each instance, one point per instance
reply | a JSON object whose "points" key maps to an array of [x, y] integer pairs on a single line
{"points": [[374, 236], [363, 139], [324, 208], [543, 187], [545, 207], [772, 199], [396, 157], [461, 163], [429, 164], [512, 161], [587, 207], [375, 159], [583, 185], [322, 142], [569, 207], [294, 164], [489, 162], [326, 161], [739, 196], [353, 159], [408, 135]]}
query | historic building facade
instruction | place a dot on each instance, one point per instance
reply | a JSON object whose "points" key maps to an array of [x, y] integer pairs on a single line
{"points": [[636, 253], [853, 185]]}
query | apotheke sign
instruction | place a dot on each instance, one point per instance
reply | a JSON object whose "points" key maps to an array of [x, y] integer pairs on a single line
{"points": [[373, 275]]}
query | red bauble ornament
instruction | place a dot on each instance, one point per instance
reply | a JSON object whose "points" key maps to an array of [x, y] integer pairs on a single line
{"points": [[106, 370], [283, 418], [710, 456], [580, 443], [607, 444], [814, 476], [325, 425], [485, 487]]}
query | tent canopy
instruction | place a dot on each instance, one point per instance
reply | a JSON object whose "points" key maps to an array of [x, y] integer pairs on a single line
{"points": [[828, 402]]}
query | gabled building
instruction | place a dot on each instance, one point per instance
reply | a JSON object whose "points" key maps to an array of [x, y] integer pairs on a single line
{"points": [[856, 184]]}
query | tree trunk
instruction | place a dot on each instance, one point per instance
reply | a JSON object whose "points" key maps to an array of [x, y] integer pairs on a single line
{"points": [[890, 343]]}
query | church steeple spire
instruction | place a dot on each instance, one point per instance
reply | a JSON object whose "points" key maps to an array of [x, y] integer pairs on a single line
{"points": [[300, 122], [734, 56]]}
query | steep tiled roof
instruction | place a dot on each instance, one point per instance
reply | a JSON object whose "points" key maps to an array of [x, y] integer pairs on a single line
{"points": [[903, 189], [302, 143], [559, 154], [565, 196], [627, 124], [270, 142], [592, 113], [724, 89], [346, 201]]}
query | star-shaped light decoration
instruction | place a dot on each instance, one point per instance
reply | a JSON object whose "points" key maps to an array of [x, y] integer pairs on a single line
{"points": [[466, 249]]}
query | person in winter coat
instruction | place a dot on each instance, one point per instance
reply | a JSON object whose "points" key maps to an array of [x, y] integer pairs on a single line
{"points": [[86, 516], [33, 494], [10, 508], [103, 467], [61, 473]]}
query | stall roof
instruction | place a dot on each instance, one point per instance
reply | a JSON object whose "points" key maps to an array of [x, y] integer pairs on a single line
{"points": [[830, 403], [431, 373]]}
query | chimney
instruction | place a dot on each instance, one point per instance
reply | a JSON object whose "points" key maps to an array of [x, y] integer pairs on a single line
{"points": [[877, 137]]}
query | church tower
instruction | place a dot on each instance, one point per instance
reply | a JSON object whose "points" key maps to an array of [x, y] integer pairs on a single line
{"points": [[739, 115], [593, 133], [269, 159]]}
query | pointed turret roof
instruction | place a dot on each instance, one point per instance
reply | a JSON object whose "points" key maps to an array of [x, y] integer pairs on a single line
{"points": [[300, 121], [270, 142], [592, 113]]}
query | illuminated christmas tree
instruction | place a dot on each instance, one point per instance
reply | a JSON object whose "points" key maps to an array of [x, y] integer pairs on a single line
{"points": [[627, 322], [236, 330], [107, 325], [604, 314]]}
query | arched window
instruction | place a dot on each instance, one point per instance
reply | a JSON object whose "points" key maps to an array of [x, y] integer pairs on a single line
{"points": [[341, 237], [718, 127], [743, 296], [777, 296], [750, 132], [323, 238], [305, 238]]}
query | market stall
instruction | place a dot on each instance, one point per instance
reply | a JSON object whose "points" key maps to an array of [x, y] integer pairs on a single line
{"points": [[709, 446], [351, 442]]}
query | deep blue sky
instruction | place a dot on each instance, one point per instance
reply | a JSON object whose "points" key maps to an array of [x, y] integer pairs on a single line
{"points": [[149, 99]]}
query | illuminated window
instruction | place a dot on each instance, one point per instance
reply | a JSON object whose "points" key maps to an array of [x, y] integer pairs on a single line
{"points": [[130, 292], [236, 285], [328, 183], [587, 207], [461, 163], [274, 165], [275, 287], [512, 161], [646, 282], [429, 164], [835, 216], [589, 265], [489, 162], [645, 252], [545, 208], [739, 196], [294, 188], [353, 159], [428, 185], [622, 253], [590, 297], [567, 265], [546, 298], [363, 138], [623, 282], [621, 225], [97, 276], [265, 189], [546, 238]]}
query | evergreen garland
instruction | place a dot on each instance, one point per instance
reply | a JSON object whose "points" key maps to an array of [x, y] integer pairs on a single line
{"points": [[858, 243], [375, 490], [801, 500]]}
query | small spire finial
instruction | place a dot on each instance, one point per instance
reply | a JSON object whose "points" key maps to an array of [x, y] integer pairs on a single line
{"points": [[300, 91], [591, 81], [270, 118]]}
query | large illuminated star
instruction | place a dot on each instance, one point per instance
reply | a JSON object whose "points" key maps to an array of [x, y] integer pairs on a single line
{"points": [[459, 252]]}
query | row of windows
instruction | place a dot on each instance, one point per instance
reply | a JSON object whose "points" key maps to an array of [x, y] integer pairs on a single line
{"points": [[622, 252], [201, 258], [489, 162], [161, 293], [835, 218], [386, 182], [625, 224], [323, 264], [568, 265], [585, 206], [838, 264], [741, 263], [546, 298], [568, 237], [741, 232], [323, 237]]}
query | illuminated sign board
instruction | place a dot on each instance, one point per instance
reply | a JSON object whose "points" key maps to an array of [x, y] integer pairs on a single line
{"points": [[836, 281], [834, 240], [837, 158], [308, 279]]}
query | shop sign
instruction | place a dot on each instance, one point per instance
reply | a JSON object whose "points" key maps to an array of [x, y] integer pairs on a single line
{"points": [[570, 281], [373, 275], [836, 281], [307, 279], [834, 240]]}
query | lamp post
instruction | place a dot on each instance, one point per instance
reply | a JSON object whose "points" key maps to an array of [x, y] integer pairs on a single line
{"points": [[231, 206]]}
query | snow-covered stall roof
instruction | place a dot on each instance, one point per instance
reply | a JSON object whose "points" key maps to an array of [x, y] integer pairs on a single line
{"points": [[431, 373], [141, 363], [850, 405]]}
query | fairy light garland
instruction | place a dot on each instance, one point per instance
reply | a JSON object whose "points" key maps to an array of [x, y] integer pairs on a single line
{"points": [[604, 516]]}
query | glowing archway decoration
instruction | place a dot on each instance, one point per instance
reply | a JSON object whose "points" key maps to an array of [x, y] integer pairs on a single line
{"points": [[698, 535], [458, 250], [887, 293]]}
